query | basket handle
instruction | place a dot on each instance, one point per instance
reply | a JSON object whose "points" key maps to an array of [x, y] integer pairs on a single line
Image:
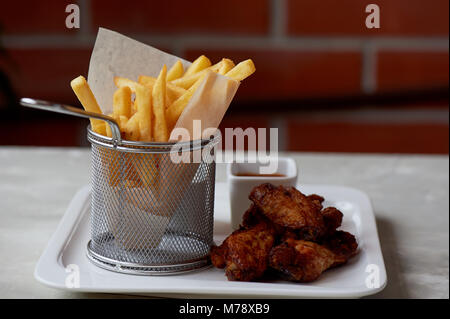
{"points": [[71, 110]]}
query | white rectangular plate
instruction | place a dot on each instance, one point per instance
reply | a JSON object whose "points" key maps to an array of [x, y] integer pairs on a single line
{"points": [[364, 274]]}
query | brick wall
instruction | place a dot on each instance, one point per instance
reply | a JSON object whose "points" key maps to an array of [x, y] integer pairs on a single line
{"points": [[303, 49]]}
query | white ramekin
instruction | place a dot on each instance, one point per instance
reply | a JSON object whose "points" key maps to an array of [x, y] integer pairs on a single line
{"points": [[241, 186]]}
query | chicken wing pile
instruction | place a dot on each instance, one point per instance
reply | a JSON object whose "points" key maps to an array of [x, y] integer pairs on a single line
{"points": [[287, 232]]}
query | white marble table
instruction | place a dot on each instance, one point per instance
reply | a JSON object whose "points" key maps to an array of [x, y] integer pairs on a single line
{"points": [[410, 195]]}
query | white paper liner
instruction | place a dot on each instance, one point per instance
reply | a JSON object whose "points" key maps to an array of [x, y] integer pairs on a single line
{"points": [[117, 55]]}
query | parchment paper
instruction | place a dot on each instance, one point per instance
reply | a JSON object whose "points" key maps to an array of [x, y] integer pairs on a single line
{"points": [[117, 55], [208, 104]]}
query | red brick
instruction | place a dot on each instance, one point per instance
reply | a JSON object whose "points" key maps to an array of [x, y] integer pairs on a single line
{"points": [[347, 17], [171, 16], [368, 138], [294, 74], [412, 70], [46, 73], [244, 121], [43, 16]]}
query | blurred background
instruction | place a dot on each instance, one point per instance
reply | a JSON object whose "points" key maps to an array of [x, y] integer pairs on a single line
{"points": [[325, 80]]}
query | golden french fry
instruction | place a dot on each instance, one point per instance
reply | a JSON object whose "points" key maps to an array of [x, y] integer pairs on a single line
{"points": [[133, 108], [146, 165], [121, 120], [171, 95], [160, 133], [121, 82], [134, 182], [110, 161], [131, 128], [144, 112], [169, 99], [242, 70], [108, 128], [172, 90], [101, 128], [146, 80], [174, 111], [176, 71], [226, 66], [87, 99], [120, 167], [187, 81], [202, 62], [122, 102], [131, 176], [216, 67]]}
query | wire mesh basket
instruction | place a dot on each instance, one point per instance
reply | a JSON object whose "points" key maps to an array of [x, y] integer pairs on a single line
{"points": [[151, 213], [152, 204]]}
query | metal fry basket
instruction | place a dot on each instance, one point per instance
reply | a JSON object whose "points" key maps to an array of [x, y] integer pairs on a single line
{"points": [[152, 204], [151, 214]]}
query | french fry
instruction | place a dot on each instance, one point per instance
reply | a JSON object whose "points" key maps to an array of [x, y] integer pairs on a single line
{"points": [[226, 66], [159, 96], [121, 120], [133, 108], [176, 71], [87, 99], [110, 160], [119, 167], [202, 62], [216, 67], [108, 129], [131, 128], [174, 111], [146, 165], [147, 177], [169, 99], [187, 81], [173, 91], [121, 82], [101, 128], [129, 174], [130, 131], [144, 112], [122, 102], [242, 70]]}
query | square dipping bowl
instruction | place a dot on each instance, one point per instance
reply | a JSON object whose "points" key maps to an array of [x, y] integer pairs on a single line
{"points": [[243, 177]]}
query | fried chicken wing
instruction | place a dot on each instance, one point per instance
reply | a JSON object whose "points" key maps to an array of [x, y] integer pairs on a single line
{"points": [[317, 200], [245, 253], [288, 207], [218, 255], [305, 261], [286, 231], [252, 217], [332, 218], [343, 245], [301, 260]]}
